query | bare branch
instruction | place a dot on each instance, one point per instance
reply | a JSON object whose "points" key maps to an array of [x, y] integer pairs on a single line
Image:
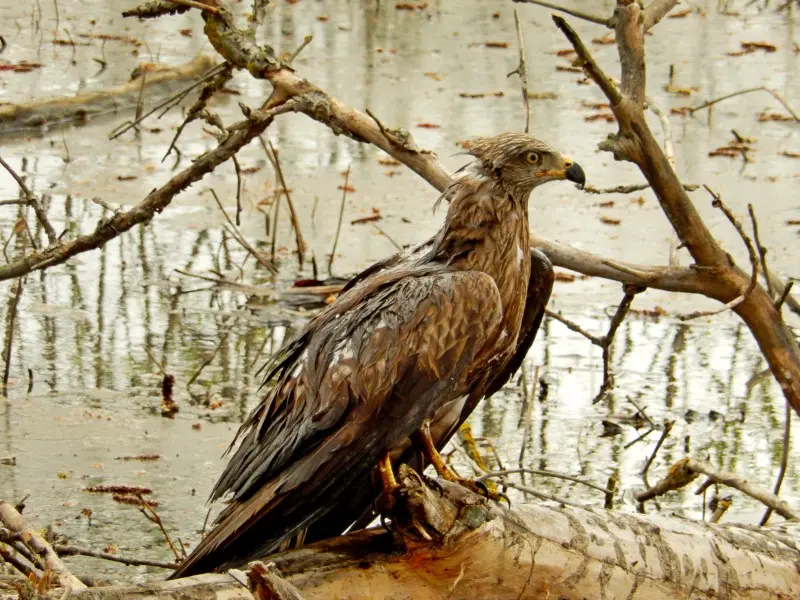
{"points": [[33, 201], [14, 521], [155, 202], [571, 11], [787, 443], [718, 203], [760, 88], [656, 11], [588, 63], [732, 480], [522, 72]]}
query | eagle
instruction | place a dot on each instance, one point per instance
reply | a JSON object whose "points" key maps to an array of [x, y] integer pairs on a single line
{"points": [[393, 367]]}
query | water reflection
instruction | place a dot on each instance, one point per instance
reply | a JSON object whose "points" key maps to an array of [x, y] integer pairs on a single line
{"points": [[88, 329]]}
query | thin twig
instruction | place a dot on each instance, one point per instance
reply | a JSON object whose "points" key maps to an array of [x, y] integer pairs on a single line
{"points": [[718, 203], [34, 202], [787, 442], [573, 326], [588, 63], [12, 318], [388, 237], [169, 102], [664, 434], [542, 473], [73, 550], [298, 235], [760, 88], [522, 72], [784, 296], [762, 251], [236, 234], [641, 412], [148, 511], [238, 170], [628, 189], [732, 480], [339, 224], [571, 11]]}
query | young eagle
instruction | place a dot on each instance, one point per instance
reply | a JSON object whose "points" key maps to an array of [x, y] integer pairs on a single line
{"points": [[406, 352]]}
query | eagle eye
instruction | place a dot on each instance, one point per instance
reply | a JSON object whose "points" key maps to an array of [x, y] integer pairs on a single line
{"points": [[533, 158]]}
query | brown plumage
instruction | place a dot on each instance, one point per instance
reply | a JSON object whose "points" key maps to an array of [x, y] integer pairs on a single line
{"points": [[423, 335]]}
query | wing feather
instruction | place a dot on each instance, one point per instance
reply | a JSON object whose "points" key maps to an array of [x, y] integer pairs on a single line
{"points": [[364, 380]]}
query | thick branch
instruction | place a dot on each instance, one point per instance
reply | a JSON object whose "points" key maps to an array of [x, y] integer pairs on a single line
{"points": [[14, 521]]}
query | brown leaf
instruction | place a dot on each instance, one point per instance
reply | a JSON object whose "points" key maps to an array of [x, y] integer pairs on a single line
{"points": [[432, 75], [765, 46], [606, 204], [681, 111], [118, 489], [497, 44], [793, 222], [411, 5], [21, 67], [126, 177], [425, 125], [186, 32], [773, 116], [608, 117], [496, 94], [680, 14], [347, 188], [543, 95], [606, 39], [564, 277], [609, 221], [564, 52], [388, 162], [369, 219], [569, 69], [323, 18], [595, 105], [790, 154]]}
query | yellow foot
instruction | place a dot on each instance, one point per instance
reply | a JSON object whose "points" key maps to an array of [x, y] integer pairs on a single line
{"points": [[444, 471], [389, 485]]}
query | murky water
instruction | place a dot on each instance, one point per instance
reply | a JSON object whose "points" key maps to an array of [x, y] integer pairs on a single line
{"points": [[85, 329]]}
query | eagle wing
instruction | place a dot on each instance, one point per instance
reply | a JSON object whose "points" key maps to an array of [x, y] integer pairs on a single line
{"points": [[358, 379], [357, 506]]}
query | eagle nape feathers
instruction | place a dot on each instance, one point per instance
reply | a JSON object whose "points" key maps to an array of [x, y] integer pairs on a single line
{"points": [[417, 339]]}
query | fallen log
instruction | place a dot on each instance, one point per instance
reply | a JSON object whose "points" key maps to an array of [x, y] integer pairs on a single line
{"points": [[449, 543], [32, 117]]}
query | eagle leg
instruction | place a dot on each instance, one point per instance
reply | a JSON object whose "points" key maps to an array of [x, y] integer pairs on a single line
{"points": [[389, 483], [446, 472]]}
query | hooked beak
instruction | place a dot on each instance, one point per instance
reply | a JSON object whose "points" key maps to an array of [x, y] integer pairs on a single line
{"points": [[571, 171], [576, 174]]}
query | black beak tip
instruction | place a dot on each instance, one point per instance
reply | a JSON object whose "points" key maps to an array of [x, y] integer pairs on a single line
{"points": [[576, 174]]}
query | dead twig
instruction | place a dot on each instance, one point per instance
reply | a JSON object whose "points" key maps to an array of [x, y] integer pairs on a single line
{"points": [[732, 480], [760, 88], [31, 199], [762, 251], [149, 511], [664, 434], [15, 523], [236, 234], [64, 550], [718, 203], [522, 72], [586, 482], [787, 442], [571, 11], [12, 319], [339, 224], [298, 235]]}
